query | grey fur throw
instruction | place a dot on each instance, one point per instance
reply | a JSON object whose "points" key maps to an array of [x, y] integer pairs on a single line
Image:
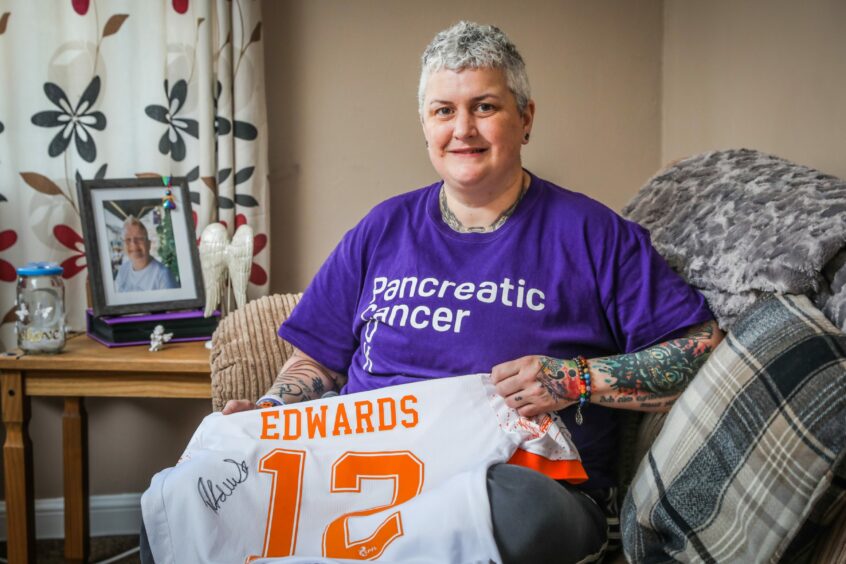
{"points": [[739, 223]]}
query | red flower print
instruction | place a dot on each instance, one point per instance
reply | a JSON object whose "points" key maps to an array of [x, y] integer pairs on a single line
{"points": [[181, 6], [7, 271], [80, 6], [72, 240], [258, 276], [196, 232]]}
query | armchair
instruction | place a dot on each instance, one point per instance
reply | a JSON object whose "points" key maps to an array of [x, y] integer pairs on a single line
{"points": [[246, 351], [247, 354]]}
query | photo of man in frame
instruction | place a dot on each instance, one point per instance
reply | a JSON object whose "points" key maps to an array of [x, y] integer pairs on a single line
{"points": [[142, 249]]}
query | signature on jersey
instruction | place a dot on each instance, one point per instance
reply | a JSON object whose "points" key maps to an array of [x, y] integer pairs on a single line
{"points": [[215, 494]]}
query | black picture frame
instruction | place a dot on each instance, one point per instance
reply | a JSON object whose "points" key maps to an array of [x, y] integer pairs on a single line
{"points": [[121, 281]]}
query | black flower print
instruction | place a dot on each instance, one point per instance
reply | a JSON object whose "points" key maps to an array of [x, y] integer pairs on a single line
{"points": [[244, 130], [74, 122], [222, 126], [172, 142]]}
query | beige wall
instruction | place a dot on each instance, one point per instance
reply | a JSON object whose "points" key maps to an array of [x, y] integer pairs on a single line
{"points": [[344, 132], [129, 440], [763, 74]]}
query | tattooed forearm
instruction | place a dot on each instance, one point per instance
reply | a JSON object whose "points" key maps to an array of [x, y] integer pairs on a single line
{"points": [[664, 369], [303, 379], [626, 397], [650, 402], [649, 380], [559, 377]]}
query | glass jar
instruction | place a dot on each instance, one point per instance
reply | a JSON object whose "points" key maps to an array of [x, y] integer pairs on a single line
{"points": [[40, 312]]}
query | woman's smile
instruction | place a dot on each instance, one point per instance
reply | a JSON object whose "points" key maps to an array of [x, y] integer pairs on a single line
{"points": [[468, 152], [475, 131]]}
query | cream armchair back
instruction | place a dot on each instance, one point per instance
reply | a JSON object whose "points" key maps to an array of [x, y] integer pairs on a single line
{"points": [[246, 351]]}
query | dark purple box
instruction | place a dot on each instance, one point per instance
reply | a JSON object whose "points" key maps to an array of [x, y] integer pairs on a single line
{"points": [[128, 330]]}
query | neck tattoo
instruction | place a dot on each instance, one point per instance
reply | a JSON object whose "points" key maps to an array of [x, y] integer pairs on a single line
{"points": [[449, 218]]}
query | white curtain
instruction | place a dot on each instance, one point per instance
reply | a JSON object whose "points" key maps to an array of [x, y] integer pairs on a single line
{"points": [[119, 89]]}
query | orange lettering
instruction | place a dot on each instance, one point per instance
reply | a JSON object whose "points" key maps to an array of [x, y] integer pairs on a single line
{"points": [[402, 468], [383, 426], [292, 431], [283, 513], [316, 422], [341, 422], [363, 413], [267, 426], [409, 411], [405, 471]]}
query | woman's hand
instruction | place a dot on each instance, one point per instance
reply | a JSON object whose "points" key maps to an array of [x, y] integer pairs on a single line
{"points": [[536, 384], [234, 406]]}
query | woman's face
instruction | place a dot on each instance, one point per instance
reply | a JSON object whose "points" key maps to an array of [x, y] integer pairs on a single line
{"points": [[474, 129]]}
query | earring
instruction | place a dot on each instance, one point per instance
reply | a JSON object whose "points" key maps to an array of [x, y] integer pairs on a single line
{"points": [[426, 142], [526, 136]]}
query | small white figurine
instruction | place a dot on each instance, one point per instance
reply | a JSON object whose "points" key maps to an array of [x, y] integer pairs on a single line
{"points": [[158, 338]]}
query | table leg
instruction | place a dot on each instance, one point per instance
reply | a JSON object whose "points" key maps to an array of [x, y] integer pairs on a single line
{"points": [[75, 454], [17, 468]]}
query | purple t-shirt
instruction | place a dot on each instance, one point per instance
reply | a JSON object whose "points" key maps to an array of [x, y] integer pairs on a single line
{"points": [[403, 298]]}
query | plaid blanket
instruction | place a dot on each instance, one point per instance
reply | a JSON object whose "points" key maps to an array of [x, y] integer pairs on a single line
{"points": [[749, 448]]}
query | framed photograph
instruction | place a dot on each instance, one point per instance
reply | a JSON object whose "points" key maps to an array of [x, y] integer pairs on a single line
{"points": [[140, 245]]}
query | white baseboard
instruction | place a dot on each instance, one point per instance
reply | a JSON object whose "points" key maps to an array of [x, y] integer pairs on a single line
{"points": [[118, 514]]}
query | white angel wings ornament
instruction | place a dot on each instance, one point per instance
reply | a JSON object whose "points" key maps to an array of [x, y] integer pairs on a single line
{"points": [[222, 259]]}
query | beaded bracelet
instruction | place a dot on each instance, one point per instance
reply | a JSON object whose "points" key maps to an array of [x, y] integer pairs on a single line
{"points": [[584, 387], [269, 400]]}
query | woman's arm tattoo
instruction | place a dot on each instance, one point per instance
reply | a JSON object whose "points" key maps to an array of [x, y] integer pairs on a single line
{"points": [[662, 370], [303, 379], [649, 380]]}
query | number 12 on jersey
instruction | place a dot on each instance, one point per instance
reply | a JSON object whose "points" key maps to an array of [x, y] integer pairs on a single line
{"points": [[283, 513]]}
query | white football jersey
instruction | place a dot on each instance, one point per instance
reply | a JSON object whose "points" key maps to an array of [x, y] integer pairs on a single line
{"points": [[395, 474]]}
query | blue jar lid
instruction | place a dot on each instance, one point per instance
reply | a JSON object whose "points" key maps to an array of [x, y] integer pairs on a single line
{"points": [[40, 269]]}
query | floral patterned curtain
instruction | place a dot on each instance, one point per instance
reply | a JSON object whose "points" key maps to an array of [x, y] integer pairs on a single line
{"points": [[119, 89]]}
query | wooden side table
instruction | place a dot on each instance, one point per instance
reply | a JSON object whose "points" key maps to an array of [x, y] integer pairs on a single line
{"points": [[83, 368]]}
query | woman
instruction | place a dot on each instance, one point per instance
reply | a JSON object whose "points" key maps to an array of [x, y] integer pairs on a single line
{"points": [[495, 270]]}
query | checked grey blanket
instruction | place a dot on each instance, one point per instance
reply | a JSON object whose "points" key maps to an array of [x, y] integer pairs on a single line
{"points": [[749, 448]]}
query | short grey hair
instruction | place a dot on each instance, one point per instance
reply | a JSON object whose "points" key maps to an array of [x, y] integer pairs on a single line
{"points": [[132, 220], [469, 45]]}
